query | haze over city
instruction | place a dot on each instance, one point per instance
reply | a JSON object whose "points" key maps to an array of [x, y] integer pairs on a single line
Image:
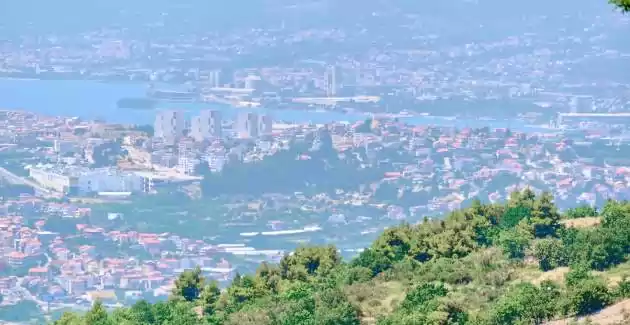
{"points": [[314, 162]]}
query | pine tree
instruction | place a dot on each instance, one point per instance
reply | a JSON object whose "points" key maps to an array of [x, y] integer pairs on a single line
{"points": [[545, 217], [209, 297], [69, 319], [189, 285], [97, 315]]}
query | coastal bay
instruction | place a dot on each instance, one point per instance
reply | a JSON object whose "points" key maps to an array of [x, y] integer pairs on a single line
{"points": [[88, 99]]}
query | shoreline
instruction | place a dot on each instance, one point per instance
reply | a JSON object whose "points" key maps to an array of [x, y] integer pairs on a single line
{"points": [[94, 100]]}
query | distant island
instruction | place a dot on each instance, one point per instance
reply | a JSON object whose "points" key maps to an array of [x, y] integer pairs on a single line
{"points": [[136, 103]]}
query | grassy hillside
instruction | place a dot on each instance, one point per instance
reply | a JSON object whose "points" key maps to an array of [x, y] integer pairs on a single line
{"points": [[517, 263]]}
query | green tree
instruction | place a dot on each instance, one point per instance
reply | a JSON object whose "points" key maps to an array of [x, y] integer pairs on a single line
{"points": [[408, 318], [582, 211], [588, 296], [448, 313], [298, 304], [251, 317], [526, 304], [189, 285], [514, 215], [372, 259], [524, 198], [550, 253], [124, 316], [513, 242], [142, 312], [453, 239], [527, 197], [596, 248], [97, 315], [333, 308], [483, 219], [69, 319], [616, 217], [394, 243], [623, 5], [423, 297], [243, 290], [623, 288], [163, 312], [310, 261], [358, 274], [576, 275], [544, 216], [183, 314], [269, 276], [209, 297]]}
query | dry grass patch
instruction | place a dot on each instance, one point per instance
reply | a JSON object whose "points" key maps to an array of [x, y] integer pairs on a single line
{"points": [[528, 273], [556, 275], [375, 298], [582, 222], [614, 275]]}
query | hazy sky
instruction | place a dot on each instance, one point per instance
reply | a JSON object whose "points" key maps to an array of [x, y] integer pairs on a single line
{"points": [[19, 17]]}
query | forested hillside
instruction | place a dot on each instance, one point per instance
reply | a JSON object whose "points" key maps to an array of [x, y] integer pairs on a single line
{"points": [[516, 263]]}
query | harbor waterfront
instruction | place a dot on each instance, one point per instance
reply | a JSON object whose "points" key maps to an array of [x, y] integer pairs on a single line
{"points": [[88, 99]]}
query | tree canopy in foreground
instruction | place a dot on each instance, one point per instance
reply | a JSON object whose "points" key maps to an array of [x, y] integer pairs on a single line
{"points": [[624, 5], [512, 263]]}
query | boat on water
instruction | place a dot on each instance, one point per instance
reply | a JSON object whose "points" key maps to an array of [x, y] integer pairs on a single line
{"points": [[187, 95], [173, 95], [136, 103]]}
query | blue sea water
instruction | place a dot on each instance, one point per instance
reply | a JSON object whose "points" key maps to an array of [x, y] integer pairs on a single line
{"points": [[97, 100]]}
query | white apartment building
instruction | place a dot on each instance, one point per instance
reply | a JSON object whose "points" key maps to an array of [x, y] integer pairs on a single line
{"points": [[206, 125], [169, 124], [252, 125], [247, 125], [332, 80], [265, 125]]}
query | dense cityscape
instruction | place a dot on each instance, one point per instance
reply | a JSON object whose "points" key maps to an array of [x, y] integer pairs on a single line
{"points": [[291, 125]]}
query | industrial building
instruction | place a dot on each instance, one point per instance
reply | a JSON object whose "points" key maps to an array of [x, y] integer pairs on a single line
{"points": [[82, 181]]}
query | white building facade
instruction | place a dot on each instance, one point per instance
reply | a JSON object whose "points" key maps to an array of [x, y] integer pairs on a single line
{"points": [[87, 181], [206, 126], [169, 124]]}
